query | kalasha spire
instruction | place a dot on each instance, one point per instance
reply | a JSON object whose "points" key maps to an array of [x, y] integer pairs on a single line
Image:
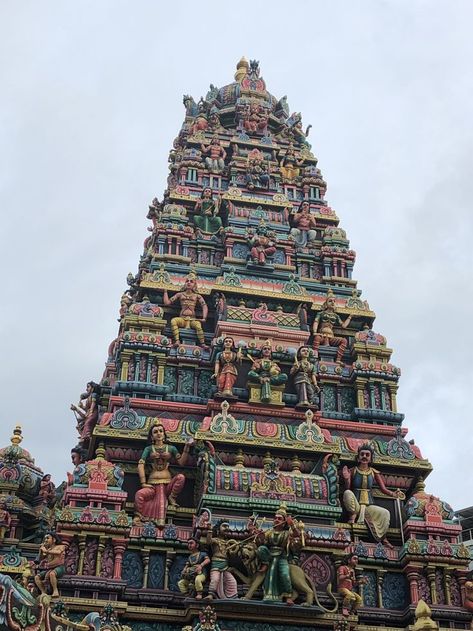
{"points": [[244, 442]]}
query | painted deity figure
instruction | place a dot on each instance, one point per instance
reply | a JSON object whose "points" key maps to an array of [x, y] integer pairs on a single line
{"points": [[324, 323], [346, 583], [226, 368], [160, 488], [266, 372], [50, 563], [5, 522], [304, 374], [215, 162], [222, 582], [303, 224], [47, 490], [468, 601], [208, 221], [255, 119], [358, 496], [290, 164], [194, 573], [257, 174], [86, 411], [188, 299], [261, 247], [274, 552]]}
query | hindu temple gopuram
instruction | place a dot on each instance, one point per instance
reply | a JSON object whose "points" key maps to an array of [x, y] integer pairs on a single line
{"points": [[241, 465]]}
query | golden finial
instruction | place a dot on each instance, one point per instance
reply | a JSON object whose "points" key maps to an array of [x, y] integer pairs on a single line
{"points": [[242, 69], [282, 510], [17, 437]]}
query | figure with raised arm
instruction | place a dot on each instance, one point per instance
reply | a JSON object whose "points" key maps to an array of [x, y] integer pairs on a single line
{"points": [[208, 221], [50, 562], [86, 412], [215, 162], [188, 299], [266, 372], [324, 323]]}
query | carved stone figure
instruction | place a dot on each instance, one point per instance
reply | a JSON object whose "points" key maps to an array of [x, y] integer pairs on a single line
{"points": [[86, 412], [47, 491], [304, 374], [261, 246], [208, 221], [188, 298], [216, 161], [468, 602], [358, 496], [50, 563], [346, 583], [266, 372], [323, 326], [226, 368], [194, 573], [290, 163], [303, 224], [5, 522], [257, 173], [160, 488], [222, 582]]}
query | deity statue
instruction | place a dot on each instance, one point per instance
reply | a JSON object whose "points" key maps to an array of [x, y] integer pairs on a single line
{"points": [[266, 372], [303, 229], [346, 582], [468, 602], [222, 582], [274, 551], [257, 174], [226, 368], [255, 119], [290, 164], [261, 246], [5, 521], [216, 161], [304, 374], [208, 221], [47, 491], [358, 496], [193, 573], [86, 412], [160, 489], [50, 563], [188, 299], [324, 322]]}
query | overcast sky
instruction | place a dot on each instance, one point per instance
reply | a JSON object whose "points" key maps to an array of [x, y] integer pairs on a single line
{"points": [[91, 99]]}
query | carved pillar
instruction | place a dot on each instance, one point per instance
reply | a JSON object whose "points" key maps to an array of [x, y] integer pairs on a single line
{"points": [[379, 582], [145, 557], [447, 581], [98, 562], [360, 399], [433, 588], [392, 393], [125, 357], [170, 556], [119, 549], [82, 541], [413, 575]]}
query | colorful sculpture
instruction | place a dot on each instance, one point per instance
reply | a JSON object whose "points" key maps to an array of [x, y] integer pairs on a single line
{"points": [[346, 582], [188, 299], [194, 574], [226, 368], [358, 496], [303, 224], [5, 521], [257, 172], [216, 161], [222, 582], [159, 488], [266, 372], [262, 246], [50, 563], [208, 221], [323, 326], [304, 374], [86, 411]]}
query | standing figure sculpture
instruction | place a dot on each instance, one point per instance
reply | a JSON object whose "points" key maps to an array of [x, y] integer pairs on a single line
{"points": [[346, 582], [274, 552], [216, 161], [193, 573], [303, 226], [226, 370], [324, 323], [304, 374], [86, 412], [160, 488], [50, 562], [358, 496], [266, 372], [208, 221], [222, 582], [188, 298], [5, 521]]}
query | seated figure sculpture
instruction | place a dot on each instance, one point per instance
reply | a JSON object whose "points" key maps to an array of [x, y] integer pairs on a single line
{"points": [[208, 221], [160, 488], [346, 583], [50, 563], [323, 326], [303, 229], [266, 372], [215, 162], [194, 572], [188, 298]]}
